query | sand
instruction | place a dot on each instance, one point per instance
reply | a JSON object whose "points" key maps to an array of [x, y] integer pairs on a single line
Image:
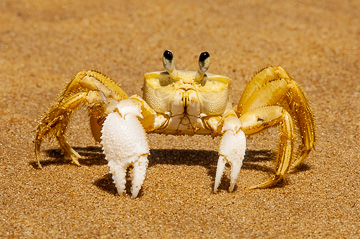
{"points": [[43, 44]]}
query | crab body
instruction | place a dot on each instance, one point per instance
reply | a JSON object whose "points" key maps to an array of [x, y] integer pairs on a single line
{"points": [[183, 103], [184, 106]]}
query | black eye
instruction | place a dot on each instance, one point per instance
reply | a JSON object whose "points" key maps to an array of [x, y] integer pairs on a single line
{"points": [[168, 61], [168, 55], [204, 62], [203, 56]]}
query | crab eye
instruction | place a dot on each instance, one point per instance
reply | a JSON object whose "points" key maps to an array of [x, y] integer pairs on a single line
{"points": [[168, 61], [168, 55], [204, 61]]}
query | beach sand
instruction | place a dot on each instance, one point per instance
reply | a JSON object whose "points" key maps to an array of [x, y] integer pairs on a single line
{"points": [[43, 44]]}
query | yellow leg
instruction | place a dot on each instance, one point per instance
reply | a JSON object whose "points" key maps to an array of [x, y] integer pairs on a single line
{"points": [[96, 126], [55, 122], [96, 91], [261, 118], [273, 86], [92, 80], [265, 78], [68, 150], [300, 109]]}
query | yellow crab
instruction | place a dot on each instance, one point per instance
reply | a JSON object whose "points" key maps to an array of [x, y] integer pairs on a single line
{"points": [[183, 103]]}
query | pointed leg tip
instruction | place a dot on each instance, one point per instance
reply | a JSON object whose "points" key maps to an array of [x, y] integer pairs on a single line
{"points": [[271, 182], [76, 163], [231, 188], [39, 165], [120, 190], [216, 187], [135, 193], [252, 187]]}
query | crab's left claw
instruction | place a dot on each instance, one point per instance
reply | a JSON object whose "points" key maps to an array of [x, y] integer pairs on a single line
{"points": [[232, 151], [124, 144]]}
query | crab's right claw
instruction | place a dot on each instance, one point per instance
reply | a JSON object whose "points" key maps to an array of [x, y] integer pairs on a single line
{"points": [[232, 151], [124, 144]]}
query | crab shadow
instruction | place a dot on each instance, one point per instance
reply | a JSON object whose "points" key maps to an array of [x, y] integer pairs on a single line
{"points": [[254, 160], [90, 156]]}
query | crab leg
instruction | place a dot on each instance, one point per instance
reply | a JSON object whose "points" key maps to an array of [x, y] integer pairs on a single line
{"points": [[274, 86], [232, 151], [96, 91], [301, 110], [260, 118], [56, 122], [124, 144]]}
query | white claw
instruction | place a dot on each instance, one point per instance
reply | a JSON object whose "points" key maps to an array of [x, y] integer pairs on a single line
{"points": [[124, 144], [232, 150], [118, 173], [235, 170], [138, 175], [219, 172]]}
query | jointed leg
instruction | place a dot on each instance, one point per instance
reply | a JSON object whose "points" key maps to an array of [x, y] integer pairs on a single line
{"points": [[96, 91], [55, 122], [260, 118], [273, 86], [300, 109], [266, 88], [68, 150]]}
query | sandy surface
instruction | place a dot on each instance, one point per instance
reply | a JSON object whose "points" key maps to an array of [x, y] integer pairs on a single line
{"points": [[43, 44]]}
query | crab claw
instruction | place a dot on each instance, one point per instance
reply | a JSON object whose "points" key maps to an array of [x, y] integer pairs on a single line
{"points": [[232, 151], [124, 144]]}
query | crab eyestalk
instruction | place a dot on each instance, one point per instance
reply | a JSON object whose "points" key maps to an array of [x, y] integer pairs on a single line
{"points": [[169, 64], [204, 63]]}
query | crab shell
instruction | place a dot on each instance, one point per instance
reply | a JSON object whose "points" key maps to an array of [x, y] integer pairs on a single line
{"points": [[185, 104]]}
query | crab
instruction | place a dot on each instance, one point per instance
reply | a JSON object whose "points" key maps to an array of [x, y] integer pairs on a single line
{"points": [[177, 102]]}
